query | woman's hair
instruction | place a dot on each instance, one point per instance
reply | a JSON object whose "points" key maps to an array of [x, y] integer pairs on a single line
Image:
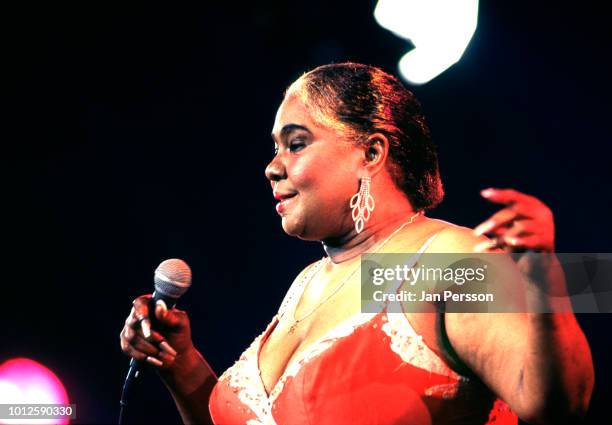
{"points": [[360, 100]]}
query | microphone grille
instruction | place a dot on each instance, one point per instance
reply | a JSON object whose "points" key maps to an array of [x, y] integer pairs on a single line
{"points": [[172, 278]]}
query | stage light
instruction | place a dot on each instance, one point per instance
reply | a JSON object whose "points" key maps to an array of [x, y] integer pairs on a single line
{"points": [[24, 381], [440, 31]]}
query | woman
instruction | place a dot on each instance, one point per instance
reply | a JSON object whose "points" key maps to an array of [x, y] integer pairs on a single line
{"points": [[355, 169]]}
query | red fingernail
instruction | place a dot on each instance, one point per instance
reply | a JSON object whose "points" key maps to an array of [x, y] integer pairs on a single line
{"points": [[161, 305], [487, 192], [146, 328], [154, 361], [483, 228], [167, 348], [482, 246]]}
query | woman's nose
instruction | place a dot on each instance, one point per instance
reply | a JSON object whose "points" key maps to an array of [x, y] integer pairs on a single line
{"points": [[275, 170]]}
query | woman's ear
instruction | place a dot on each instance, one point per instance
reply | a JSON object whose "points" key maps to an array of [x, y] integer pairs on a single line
{"points": [[377, 149]]}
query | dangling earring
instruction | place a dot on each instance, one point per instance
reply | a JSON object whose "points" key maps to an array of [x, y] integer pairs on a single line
{"points": [[362, 204]]}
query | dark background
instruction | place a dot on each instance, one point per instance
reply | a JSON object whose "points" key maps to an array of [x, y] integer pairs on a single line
{"points": [[137, 133]]}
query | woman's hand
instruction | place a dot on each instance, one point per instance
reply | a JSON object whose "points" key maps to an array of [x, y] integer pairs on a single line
{"points": [[160, 346], [169, 348], [526, 223], [526, 226]]}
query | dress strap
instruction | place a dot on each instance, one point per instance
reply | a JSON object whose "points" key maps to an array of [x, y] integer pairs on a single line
{"points": [[410, 263], [297, 287]]}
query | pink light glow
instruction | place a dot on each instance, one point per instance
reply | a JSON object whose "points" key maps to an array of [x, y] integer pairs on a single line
{"points": [[24, 381]]}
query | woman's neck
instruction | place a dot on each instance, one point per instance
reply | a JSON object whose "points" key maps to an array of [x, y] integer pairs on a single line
{"points": [[352, 244]]}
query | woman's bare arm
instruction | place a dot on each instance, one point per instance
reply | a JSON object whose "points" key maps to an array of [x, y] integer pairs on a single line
{"points": [[539, 363], [191, 382]]}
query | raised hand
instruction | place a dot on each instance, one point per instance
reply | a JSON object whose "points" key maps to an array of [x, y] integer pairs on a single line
{"points": [[526, 223]]}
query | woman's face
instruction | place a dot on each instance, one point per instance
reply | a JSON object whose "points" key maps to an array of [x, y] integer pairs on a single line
{"points": [[318, 168]]}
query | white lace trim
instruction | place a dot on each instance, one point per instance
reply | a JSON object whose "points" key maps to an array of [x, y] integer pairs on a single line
{"points": [[254, 422], [446, 391], [409, 345], [297, 288], [244, 378]]}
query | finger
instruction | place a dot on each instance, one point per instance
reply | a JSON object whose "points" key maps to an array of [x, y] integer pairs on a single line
{"points": [[141, 306], [144, 346], [531, 241], [143, 349], [139, 311], [167, 348], [161, 310], [150, 350], [135, 338], [499, 231], [131, 319], [141, 314], [493, 245], [164, 360], [135, 354], [145, 325], [487, 249], [508, 236], [490, 245], [153, 361], [525, 205], [171, 319], [123, 341], [127, 336], [529, 209], [128, 333], [514, 228], [154, 338], [500, 218], [505, 196], [136, 321]]}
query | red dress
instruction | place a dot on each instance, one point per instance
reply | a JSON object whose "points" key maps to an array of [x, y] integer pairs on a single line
{"points": [[371, 369]]}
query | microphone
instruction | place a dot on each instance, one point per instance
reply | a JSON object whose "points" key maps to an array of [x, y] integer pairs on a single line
{"points": [[172, 279]]}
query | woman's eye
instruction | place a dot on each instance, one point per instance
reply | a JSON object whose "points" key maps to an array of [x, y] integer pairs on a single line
{"points": [[296, 145]]}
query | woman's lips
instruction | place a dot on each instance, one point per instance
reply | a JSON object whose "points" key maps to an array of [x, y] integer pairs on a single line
{"points": [[282, 205]]}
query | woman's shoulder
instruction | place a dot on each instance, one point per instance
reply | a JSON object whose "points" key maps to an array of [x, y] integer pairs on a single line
{"points": [[454, 238], [440, 236]]}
